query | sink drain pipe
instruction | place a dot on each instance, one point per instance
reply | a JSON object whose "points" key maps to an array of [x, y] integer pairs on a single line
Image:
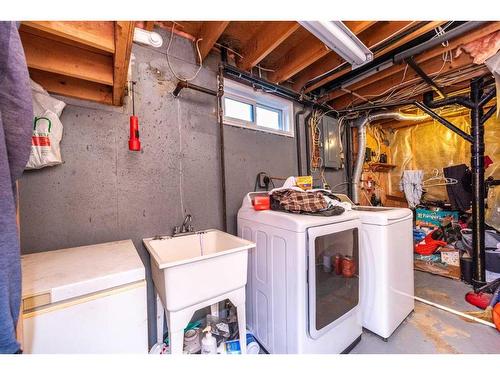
{"points": [[220, 120], [220, 117]]}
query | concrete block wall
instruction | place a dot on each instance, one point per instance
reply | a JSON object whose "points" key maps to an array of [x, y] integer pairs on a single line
{"points": [[104, 192]]}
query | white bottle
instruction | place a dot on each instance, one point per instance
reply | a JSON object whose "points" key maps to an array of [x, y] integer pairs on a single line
{"points": [[208, 342]]}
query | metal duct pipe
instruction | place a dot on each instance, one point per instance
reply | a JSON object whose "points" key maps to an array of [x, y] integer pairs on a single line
{"points": [[361, 124]]}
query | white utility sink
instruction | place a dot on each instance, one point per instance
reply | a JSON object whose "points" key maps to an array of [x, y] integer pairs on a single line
{"points": [[190, 269]]}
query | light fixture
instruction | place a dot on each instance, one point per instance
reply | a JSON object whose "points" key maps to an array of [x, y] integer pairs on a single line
{"points": [[149, 38], [340, 39]]}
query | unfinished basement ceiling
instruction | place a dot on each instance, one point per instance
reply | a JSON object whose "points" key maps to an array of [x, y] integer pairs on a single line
{"points": [[287, 54], [88, 59]]}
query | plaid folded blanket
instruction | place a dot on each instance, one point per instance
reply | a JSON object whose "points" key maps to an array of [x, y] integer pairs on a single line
{"points": [[297, 201]]}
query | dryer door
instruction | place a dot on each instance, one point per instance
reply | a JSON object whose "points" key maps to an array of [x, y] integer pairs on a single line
{"points": [[333, 264]]}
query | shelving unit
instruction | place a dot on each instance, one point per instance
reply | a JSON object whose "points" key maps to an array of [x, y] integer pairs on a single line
{"points": [[381, 167], [84, 60]]}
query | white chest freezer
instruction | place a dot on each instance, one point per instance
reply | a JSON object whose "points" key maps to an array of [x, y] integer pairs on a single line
{"points": [[88, 299]]}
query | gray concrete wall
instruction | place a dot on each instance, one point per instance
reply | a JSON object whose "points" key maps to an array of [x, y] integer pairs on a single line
{"points": [[104, 192]]}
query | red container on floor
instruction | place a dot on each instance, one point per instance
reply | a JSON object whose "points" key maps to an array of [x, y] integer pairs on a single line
{"points": [[348, 267], [337, 264], [261, 203]]}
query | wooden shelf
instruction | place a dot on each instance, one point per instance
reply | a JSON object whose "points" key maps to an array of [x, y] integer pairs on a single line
{"points": [[97, 36], [73, 87], [85, 60], [56, 57], [381, 167]]}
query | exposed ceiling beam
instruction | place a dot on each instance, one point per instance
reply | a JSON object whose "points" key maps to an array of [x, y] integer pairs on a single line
{"points": [[124, 34], [73, 87], [98, 35], [372, 39], [298, 58], [308, 52], [385, 86], [420, 59], [149, 25], [394, 124], [266, 39], [375, 34], [61, 58], [357, 27], [210, 31]]}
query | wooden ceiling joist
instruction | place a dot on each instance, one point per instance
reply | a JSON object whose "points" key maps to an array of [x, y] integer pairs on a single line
{"points": [[308, 52], [72, 87], [427, 57], [370, 38], [370, 34], [81, 59], [149, 25], [124, 34], [209, 33], [56, 57], [430, 67], [299, 58], [98, 35], [357, 27], [267, 38]]}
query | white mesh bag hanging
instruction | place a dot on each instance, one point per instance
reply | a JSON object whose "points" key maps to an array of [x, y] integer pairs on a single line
{"points": [[47, 129]]}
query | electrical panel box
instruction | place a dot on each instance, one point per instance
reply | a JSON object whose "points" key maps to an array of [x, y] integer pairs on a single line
{"points": [[331, 143]]}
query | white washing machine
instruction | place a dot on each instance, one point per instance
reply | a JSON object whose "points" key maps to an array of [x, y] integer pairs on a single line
{"points": [[387, 287], [294, 305]]}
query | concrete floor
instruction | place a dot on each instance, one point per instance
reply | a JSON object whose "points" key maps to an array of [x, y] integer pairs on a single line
{"points": [[430, 330]]}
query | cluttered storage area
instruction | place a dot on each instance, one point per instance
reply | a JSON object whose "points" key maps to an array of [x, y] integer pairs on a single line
{"points": [[250, 187]]}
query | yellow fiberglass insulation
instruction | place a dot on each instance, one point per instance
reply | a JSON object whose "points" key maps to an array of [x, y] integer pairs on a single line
{"points": [[430, 145]]}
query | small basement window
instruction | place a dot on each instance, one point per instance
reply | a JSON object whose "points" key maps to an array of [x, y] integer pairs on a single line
{"points": [[245, 107]]}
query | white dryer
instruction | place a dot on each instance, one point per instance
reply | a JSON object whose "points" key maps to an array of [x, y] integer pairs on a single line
{"points": [[294, 305], [387, 287]]}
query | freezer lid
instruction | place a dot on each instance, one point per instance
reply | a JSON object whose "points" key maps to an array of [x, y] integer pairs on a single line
{"points": [[59, 275]]}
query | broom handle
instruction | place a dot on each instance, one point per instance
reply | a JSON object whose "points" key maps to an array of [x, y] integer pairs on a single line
{"points": [[459, 313]]}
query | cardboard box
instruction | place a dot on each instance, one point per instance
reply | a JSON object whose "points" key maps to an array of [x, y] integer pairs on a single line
{"points": [[433, 219], [450, 257]]}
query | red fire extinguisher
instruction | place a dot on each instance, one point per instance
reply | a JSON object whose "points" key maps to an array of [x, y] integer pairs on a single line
{"points": [[134, 143]]}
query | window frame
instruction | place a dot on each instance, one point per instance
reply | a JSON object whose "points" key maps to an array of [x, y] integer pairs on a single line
{"points": [[245, 94]]}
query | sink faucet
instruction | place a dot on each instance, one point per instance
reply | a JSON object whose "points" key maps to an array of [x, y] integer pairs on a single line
{"points": [[185, 228]]}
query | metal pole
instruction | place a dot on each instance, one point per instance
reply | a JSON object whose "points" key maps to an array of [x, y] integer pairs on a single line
{"points": [[133, 99], [186, 85], [445, 122], [220, 115], [411, 62], [308, 146], [478, 193], [488, 114], [298, 140], [348, 159]]}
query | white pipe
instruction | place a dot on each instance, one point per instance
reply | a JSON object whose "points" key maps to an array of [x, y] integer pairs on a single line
{"points": [[361, 124], [459, 313]]}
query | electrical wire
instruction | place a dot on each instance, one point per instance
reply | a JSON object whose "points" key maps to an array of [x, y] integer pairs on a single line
{"points": [[317, 164], [447, 57], [168, 58]]}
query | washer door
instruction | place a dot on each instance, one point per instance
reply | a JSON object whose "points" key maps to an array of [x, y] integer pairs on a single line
{"points": [[333, 274]]}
